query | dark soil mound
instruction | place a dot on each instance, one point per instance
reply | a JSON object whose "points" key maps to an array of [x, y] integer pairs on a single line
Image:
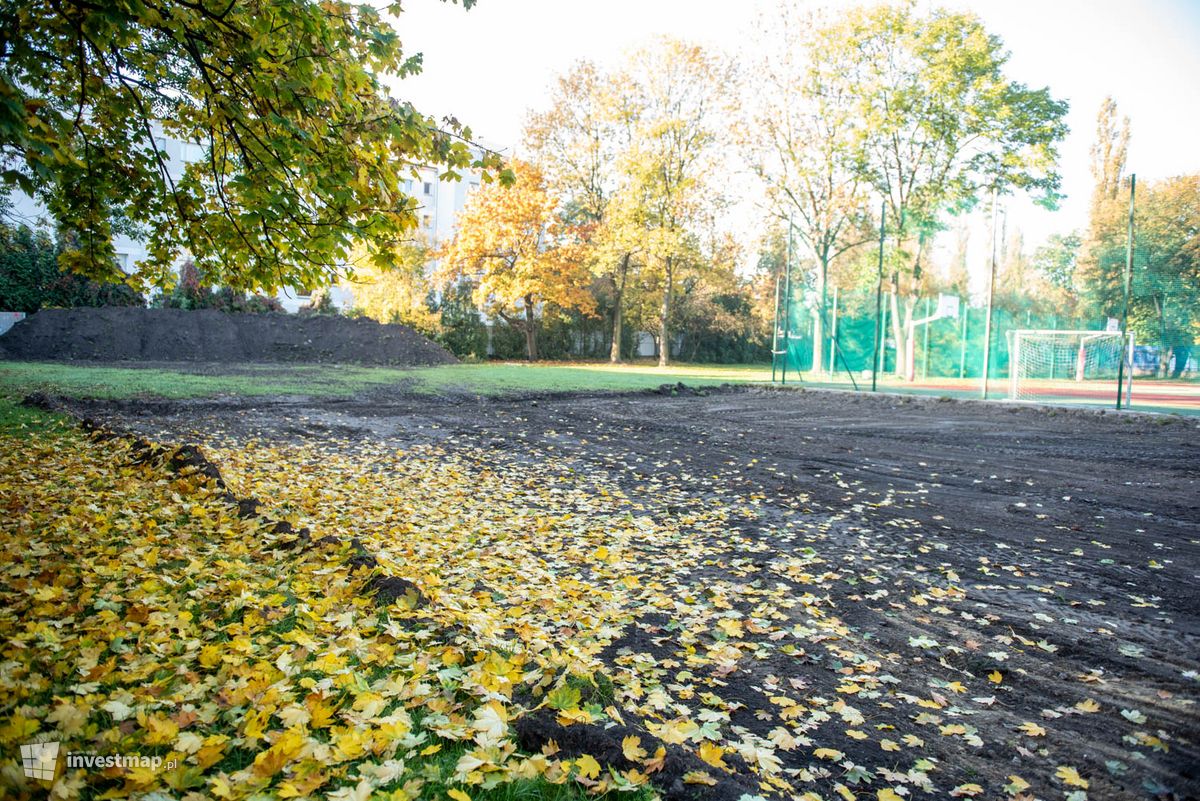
{"points": [[119, 334]]}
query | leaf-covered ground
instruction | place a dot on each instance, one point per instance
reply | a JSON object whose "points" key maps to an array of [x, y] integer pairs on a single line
{"points": [[646, 595]]}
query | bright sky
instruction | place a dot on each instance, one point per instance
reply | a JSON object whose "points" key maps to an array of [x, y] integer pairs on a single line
{"points": [[489, 65]]}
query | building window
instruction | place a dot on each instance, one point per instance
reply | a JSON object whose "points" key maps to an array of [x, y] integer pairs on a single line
{"points": [[428, 188], [426, 221]]}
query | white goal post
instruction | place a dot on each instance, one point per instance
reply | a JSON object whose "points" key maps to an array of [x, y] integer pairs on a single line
{"points": [[1042, 360]]}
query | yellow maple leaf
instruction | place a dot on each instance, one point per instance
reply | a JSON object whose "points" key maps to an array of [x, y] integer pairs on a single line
{"points": [[995, 677], [271, 761], [210, 656], [888, 794], [1016, 785], [1087, 706], [1032, 729], [491, 723], [163, 731], [212, 752], [458, 795], [674, 732], [731, 627], [828, 753], [321, 712], [589, 768], [1071, 777], [631, 746], [255, 723], [713, 754], [698, 777]]}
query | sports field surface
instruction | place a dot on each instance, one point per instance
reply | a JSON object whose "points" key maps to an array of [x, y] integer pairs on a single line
{"points": [[690, 592]]}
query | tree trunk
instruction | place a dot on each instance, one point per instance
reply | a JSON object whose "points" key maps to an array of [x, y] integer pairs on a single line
{"points": [[898, 331], [614, 355], [818, 345], [903, 331], [664, 323], [531, 352], [1164, 353]]}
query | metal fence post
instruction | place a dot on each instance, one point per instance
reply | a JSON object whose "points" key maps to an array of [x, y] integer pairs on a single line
{"points": [[833, 337], [878, 297], [775, 330], [987, 323], [1125, 299], [787, 303], [962, 340]]}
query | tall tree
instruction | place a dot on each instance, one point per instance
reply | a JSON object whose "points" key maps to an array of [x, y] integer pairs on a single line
{"points": [[941, 126], [399, 293], [578, 141], [517, 254], [1109, 152], [799, 129], [672, 164], [1102, 257], [1166, 281], [303, 153]]}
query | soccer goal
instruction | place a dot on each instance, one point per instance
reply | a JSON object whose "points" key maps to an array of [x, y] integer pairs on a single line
{"points": [[1068, 366]]}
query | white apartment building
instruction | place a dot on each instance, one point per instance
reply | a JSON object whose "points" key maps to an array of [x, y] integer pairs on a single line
{"points": [[440, 201]]}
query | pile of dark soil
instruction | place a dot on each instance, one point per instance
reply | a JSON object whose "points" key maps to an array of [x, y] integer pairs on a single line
{"points": [[134, 334]]}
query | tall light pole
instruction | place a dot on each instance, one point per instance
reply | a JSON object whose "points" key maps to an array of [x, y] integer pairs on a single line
{"points": [[987, 324], [878, 297]]}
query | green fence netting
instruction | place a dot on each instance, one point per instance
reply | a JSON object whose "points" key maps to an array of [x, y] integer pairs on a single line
{"points": [[1058, 358]]}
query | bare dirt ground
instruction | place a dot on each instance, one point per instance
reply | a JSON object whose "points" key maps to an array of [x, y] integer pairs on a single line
{"points": [[1016, 590]]}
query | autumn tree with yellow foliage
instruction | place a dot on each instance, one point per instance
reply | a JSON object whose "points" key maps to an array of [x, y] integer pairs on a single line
{"points": [[518, 255], [397, 294]]}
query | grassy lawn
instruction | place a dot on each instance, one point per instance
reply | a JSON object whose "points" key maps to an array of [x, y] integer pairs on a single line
{"points": [[18, 379]]}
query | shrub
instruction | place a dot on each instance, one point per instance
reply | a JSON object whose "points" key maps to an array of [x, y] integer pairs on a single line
{"points": [[30, 278], [191, 292], [462, 332], [263, 304]]}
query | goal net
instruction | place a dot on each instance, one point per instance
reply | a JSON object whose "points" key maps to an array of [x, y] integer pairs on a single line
{"points": [[1066, 366]]}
